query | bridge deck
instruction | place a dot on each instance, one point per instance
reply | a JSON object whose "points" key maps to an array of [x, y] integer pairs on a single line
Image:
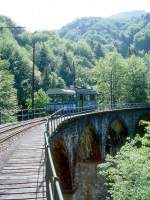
{"points": [[22, 175]]}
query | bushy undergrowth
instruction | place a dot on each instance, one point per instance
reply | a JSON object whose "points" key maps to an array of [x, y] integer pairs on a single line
{"points": [[128, 173]]}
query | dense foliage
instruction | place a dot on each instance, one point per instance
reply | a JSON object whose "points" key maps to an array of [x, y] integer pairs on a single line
{"points": [[126, 34], [8, 94], [41, 99], [121, 79], [110, 55], [128, 173], [59, 62]]}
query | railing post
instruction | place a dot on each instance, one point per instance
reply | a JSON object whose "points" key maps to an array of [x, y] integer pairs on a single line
{"points": [[54, 180], [53, 122], [0, 117], [51, 125], [47, 127], [28, 113], [22, 115], [59, 119], [47, 167]]}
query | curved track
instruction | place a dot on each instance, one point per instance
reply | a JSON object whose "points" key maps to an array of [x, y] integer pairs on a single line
{"points": [[22, 166], [10, 130]]}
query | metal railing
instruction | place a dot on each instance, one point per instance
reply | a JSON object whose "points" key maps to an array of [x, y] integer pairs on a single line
{"points": [[53, 188], [54, 120], [64, 114], [104, 107], [21, 115]]}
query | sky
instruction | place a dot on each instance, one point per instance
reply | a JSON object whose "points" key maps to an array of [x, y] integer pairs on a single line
{"points": [[53, 14]]}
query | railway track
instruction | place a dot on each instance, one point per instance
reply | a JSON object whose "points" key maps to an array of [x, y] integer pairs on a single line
{"points": [[10, 130], [22, 166]]}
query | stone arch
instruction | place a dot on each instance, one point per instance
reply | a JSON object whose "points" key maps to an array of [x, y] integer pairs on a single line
{"points": [[61, 161], [117, 133], [88, 149], [139, 126], [88, 156]]}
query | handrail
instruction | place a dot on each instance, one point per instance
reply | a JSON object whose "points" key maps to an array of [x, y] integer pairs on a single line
{"points": [[67, 113], [57, 112], [122, 106], [62, 114], [21, 115], [53, 180]]}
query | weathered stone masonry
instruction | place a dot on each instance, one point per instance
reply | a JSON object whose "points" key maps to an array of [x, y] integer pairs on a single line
{"points": [[66, 140]]}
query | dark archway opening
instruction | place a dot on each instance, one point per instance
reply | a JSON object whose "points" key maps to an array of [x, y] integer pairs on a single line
{"points": [[89, 147], [61, 161], [89, 185], [116, 136], [140, 125]]}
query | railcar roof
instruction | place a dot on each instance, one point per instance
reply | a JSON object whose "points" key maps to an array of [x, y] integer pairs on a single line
{"points": [[85, 91], [53, 91], [60, 91]]}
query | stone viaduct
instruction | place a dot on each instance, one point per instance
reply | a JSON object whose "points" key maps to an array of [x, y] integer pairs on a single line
{"points": [[81, 142]]}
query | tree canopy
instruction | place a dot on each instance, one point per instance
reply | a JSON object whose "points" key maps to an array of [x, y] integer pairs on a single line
{"points": [[111, 55], [128, 174]]}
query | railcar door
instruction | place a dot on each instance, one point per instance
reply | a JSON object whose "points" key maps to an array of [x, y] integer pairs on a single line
{"points": [[81, 100]]}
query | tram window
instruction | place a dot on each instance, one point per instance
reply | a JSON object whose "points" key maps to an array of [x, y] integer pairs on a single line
{"points": [[51, 99], [92, 97], [72, 97], [87, 97], [81, 96], [65, 98], [68, 98], [58, 99]]}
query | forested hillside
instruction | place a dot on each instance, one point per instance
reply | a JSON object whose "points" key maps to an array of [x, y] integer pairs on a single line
{"points": [[109, 55], [128, 15], [55, 59], [125, 34]]}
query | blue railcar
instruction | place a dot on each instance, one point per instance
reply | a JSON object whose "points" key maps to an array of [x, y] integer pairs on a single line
{"points": [[71, 98]]}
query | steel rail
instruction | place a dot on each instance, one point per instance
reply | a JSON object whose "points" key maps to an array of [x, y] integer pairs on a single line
{"points": [[8, 125], [18, 124], [25, 126]]}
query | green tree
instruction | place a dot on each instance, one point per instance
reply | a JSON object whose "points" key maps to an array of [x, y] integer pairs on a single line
{"points": [[147, 64], [98, 51], [21, 67], [52, 80], [142, 39], [137, 80], [44, 57], [83, 49], [41, 99], [66, 70], [8, 94], [83, 76], [128, 174], [109, 76]]}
